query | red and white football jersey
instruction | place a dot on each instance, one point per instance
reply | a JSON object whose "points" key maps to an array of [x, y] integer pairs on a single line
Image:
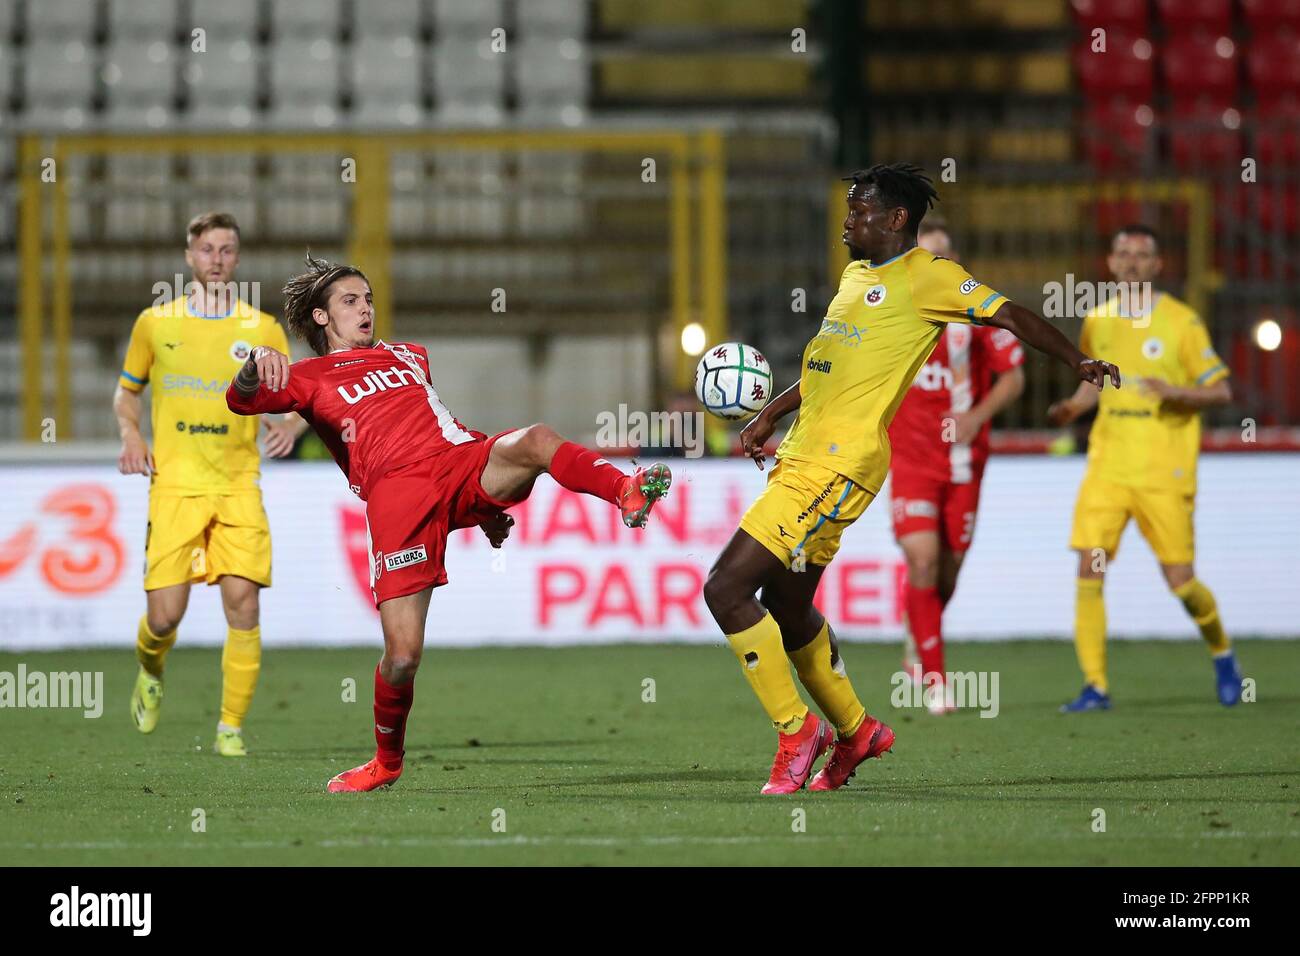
{"points": [[957, 375], [375, 409]]}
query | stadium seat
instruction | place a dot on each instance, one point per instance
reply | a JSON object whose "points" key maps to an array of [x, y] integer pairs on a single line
{"points": [[551, 18], [1265, 16], [1273, 207], [1200, 65], [455, 18], [226, 18], [1181, 16], [1118, 136], [222, 82], [305, 83], [61, 20], [469, 81], [1273, 66], [59, 76], [1123, 16], [1276, 134], [1125, 69], [552, 73], [1204, 135], [142, 19], [387, 87], [139, 73], [393, 18], [307, 19]]}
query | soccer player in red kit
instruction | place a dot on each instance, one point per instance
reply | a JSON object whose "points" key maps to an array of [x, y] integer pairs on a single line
{"points": [[941, 442], [420, 471]]}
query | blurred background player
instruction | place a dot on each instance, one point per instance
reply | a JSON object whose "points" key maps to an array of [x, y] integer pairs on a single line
{"points": [[1142, 457], [420, 471], [940, 439], [206, 520], [893, 303]]}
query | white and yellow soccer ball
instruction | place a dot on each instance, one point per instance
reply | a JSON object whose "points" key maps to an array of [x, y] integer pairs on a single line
{"points": [[733, 381]]}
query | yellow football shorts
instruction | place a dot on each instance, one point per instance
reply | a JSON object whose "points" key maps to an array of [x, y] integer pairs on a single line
{"points": [[201, 537], [805, 508], [1103, 510]]}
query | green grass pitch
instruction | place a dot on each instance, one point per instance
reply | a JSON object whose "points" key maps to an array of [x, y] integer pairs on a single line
{"points": [[559, 745]]}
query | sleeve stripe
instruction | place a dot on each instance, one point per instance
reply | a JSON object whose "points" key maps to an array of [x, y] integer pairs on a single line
{"points": [[1211, 371], [129, 377], [989, 301]]}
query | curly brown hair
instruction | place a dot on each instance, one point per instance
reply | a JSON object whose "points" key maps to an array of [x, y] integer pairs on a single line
{"points": [[305, 293]]}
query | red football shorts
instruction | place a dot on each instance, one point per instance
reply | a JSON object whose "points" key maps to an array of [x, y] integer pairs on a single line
{"points": [[924, 503], [411, 510]]}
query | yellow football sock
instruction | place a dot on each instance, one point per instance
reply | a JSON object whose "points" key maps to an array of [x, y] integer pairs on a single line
{"points": [[241, 660], [828, 683], [1199, 601], [1090, 631], [150, 648], [768, 671]]}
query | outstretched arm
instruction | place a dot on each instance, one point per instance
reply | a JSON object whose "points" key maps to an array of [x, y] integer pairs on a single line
{"points": [[755, 435], [265, 367], [1049, 340]]}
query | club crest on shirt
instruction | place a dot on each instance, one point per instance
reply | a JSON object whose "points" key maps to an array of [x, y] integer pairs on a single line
{"points": [[875, 295], [239, 351], [1153, 348]]}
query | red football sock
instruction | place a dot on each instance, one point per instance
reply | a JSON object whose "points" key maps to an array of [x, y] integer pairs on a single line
{"points": [[924, 619], [581, 469], [392, 704]]}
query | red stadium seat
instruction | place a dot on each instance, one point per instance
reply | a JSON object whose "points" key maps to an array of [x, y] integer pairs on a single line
{"points": [[1265, 16], [1109, 215], [1118, 135], [1205, 134], [1273, 66], [1182, 16], [1276, 134], [1201, 65], [1267, 207], [1275, 208], [1125, 16], [1126, 69]]}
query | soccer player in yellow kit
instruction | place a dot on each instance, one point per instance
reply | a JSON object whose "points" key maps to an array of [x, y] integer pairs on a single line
{"points": [[206, 520], [892, 305], [1142, 456]]}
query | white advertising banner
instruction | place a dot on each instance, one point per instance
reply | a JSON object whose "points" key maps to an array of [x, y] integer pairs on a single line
{"points": [[72, 555]]}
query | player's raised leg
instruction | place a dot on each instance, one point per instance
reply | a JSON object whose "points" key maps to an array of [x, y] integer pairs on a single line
{"points": [[403, 621], [1204, 610], [756, 639], [155, 636], [518, 458], [241, 662]]}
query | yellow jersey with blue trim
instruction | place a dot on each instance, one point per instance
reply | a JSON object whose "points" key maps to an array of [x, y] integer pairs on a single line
{"points": [[1138, 439], [199, 445], [877, 333]]}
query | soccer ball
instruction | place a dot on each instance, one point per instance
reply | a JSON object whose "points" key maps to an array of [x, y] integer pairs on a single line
{"points": [[733, 381]]}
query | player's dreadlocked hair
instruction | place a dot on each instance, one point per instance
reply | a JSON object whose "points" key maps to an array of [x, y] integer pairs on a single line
{"points": [[307, 292], [900, 184]]}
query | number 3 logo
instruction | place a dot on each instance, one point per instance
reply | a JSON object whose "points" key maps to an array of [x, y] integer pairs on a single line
{"points": [[93, 558]]}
